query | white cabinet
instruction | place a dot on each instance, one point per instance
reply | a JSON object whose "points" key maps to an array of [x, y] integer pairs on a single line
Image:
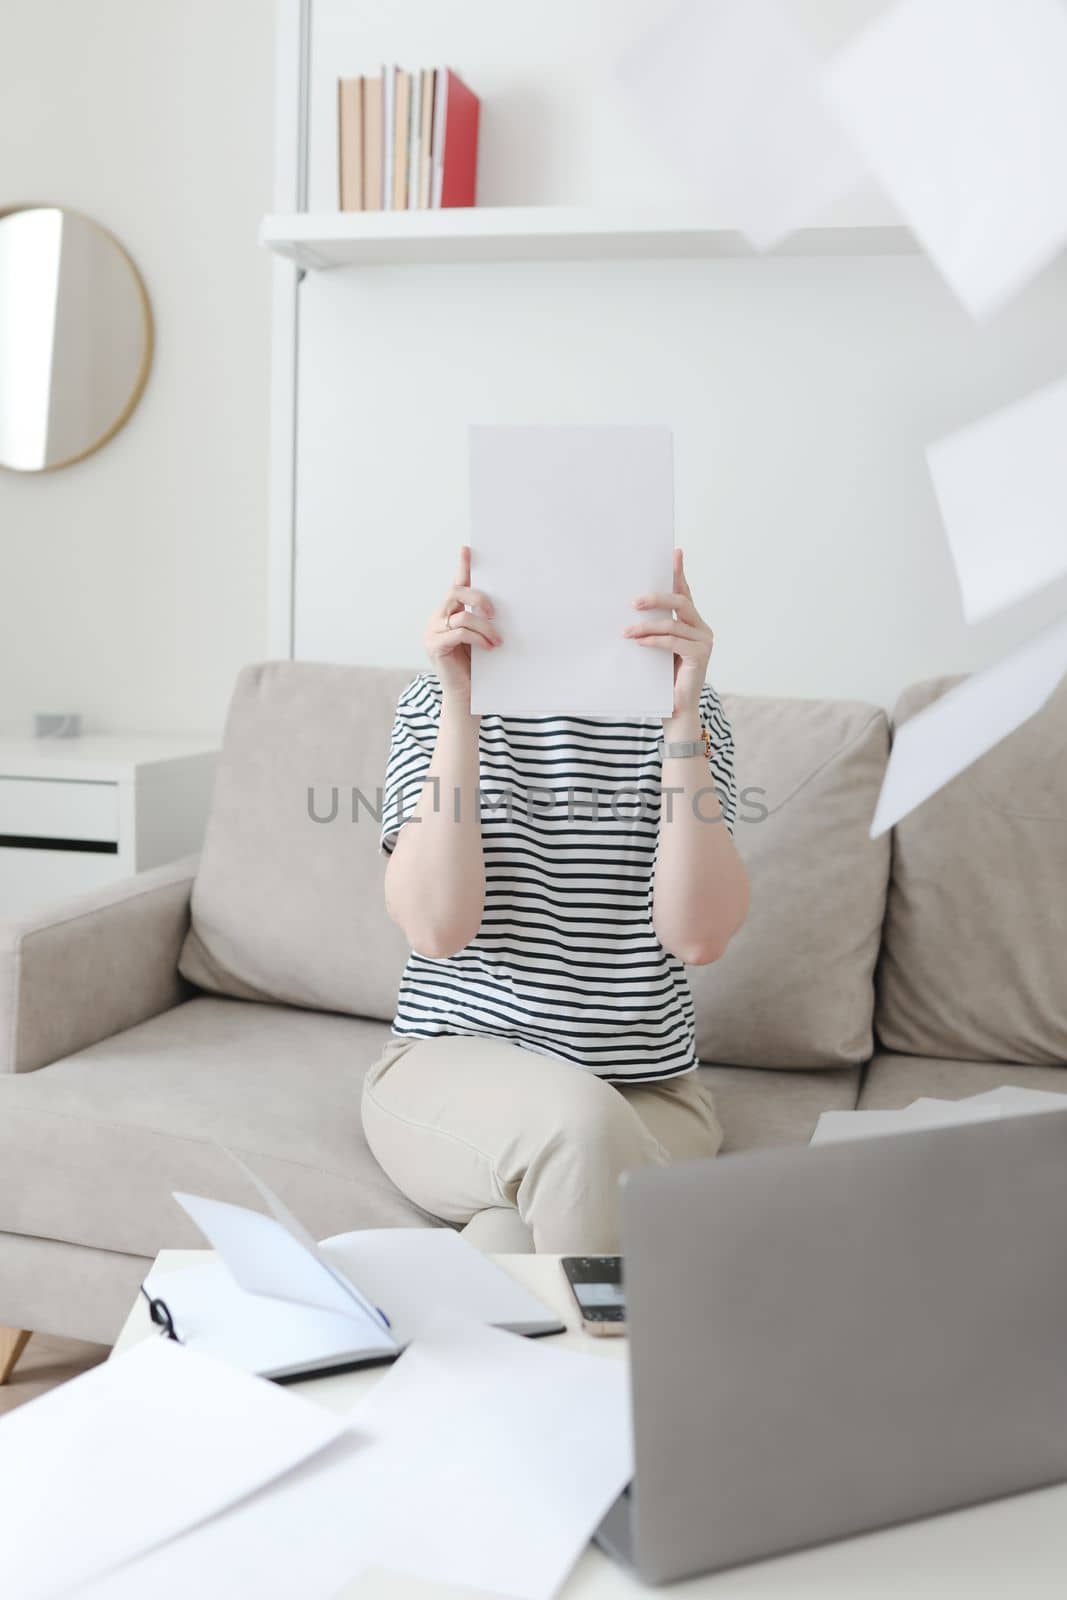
{"points": [[76, 814]]}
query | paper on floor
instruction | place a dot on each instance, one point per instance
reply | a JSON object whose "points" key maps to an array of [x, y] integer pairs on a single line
{"points": [[134, 1452], [936, 745], [960, 108], [568, 527], [1001, 484], [730, 92], [478, 1459]]}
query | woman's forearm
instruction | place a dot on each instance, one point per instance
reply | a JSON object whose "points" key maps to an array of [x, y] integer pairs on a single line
{"points": [[700, 897], [435, 880]]}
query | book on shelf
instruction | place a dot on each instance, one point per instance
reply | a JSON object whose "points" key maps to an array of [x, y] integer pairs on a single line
{"points": [[401, 139], [406, 140], [455, 141], [350, 142], [429, 78], [372, 144], [388, 138]]}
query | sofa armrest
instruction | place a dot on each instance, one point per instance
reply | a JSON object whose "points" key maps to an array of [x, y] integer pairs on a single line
{"points": [[82, 970]]}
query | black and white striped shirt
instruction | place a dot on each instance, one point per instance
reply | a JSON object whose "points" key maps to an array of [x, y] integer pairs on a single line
{"points": [[566, 960]]}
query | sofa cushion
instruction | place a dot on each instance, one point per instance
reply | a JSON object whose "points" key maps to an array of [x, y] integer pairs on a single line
{"points": [[974, 963], [893, 1081], [758, 1107], [92, 1146], [285, 907], [795, 987]]}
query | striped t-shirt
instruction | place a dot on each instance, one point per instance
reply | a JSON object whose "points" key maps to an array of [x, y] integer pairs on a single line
{"points": [[566, 961]]}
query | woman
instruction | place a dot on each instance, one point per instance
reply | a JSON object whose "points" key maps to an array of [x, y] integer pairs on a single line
{"points": [[544, 1036]]}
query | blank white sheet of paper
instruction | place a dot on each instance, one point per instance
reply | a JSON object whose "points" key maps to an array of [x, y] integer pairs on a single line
{"points": [[568, 527], [133, 1453], [935, 746], [1001, 484], [837, 1127], [730, 93], [479, 1459], [960, 109], [418, 1274], [1010, 1100]]}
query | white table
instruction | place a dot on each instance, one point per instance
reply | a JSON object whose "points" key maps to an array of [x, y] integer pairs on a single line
{"points": [[76, 814], [1010, 1548]]}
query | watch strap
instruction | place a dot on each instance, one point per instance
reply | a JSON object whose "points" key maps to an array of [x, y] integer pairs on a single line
{"points": [[682, 749]]}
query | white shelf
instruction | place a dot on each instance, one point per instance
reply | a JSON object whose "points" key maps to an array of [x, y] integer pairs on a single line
{"points": [[541, 233]]}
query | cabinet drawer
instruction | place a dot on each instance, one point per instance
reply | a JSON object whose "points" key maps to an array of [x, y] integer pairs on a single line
{"points": [[31, 880], [51, 808]]}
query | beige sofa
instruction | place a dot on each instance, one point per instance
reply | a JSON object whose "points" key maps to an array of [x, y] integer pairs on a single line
{"points": [[238, 1003]]}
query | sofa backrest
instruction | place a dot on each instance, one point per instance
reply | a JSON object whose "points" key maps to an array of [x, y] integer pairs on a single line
{"points": [[974, 960], [291, 909]]}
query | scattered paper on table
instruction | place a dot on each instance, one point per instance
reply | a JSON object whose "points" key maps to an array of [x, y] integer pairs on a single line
{"points": [[730, 92], [134, 1452], [1001, 484], [938, 743], [1012, 1101], [960, 109], [568, 527], [478, 1459], [835, 1127]]}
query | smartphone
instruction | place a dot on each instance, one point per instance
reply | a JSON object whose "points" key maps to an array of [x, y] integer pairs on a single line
{"points": [[596, 1284]]}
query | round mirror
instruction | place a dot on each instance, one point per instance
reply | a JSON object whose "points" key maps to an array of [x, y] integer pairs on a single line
{"points": [[75, 338]]}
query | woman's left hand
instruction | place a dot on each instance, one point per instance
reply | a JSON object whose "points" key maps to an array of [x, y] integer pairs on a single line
{"points": [[685, 634]]}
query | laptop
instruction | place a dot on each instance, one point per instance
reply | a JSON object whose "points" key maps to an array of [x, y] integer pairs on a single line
{"points": [[833, 1339]]}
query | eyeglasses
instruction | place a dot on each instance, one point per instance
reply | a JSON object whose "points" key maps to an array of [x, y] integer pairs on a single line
{"points": [[160, 1315]]}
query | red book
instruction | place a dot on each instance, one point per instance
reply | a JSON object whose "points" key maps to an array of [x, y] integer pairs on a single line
{"points": [[455, 141]]}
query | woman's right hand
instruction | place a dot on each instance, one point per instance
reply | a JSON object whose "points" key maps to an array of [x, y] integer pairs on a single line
{"points": [[453, 632]]}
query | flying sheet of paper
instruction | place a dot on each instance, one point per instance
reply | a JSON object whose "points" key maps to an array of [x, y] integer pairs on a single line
{"points": [[835, 1127], [568, 527], [730, 92], [267, 1258], [479, 1459], [960, 111], [134, 1452], [935, 746], [1002, 487]]}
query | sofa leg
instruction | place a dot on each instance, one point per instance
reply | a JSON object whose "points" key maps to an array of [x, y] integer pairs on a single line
{"points": [[13, 1342]]}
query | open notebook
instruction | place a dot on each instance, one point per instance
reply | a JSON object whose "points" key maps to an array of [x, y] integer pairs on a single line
{"points": [[281, 1305]]}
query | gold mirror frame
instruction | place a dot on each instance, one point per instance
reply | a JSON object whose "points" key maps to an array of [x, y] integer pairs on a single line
{"points": [[147, 338]]}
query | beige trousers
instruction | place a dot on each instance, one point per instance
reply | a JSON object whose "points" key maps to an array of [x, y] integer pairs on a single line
{"points": [[487, 1135]]}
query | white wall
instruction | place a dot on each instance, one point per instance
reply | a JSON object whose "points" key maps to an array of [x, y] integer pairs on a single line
{"points": [[801, 391], [132, 586]]}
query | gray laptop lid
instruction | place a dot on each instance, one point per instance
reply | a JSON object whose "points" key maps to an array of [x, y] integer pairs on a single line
{"points": [[833, 1339]]}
